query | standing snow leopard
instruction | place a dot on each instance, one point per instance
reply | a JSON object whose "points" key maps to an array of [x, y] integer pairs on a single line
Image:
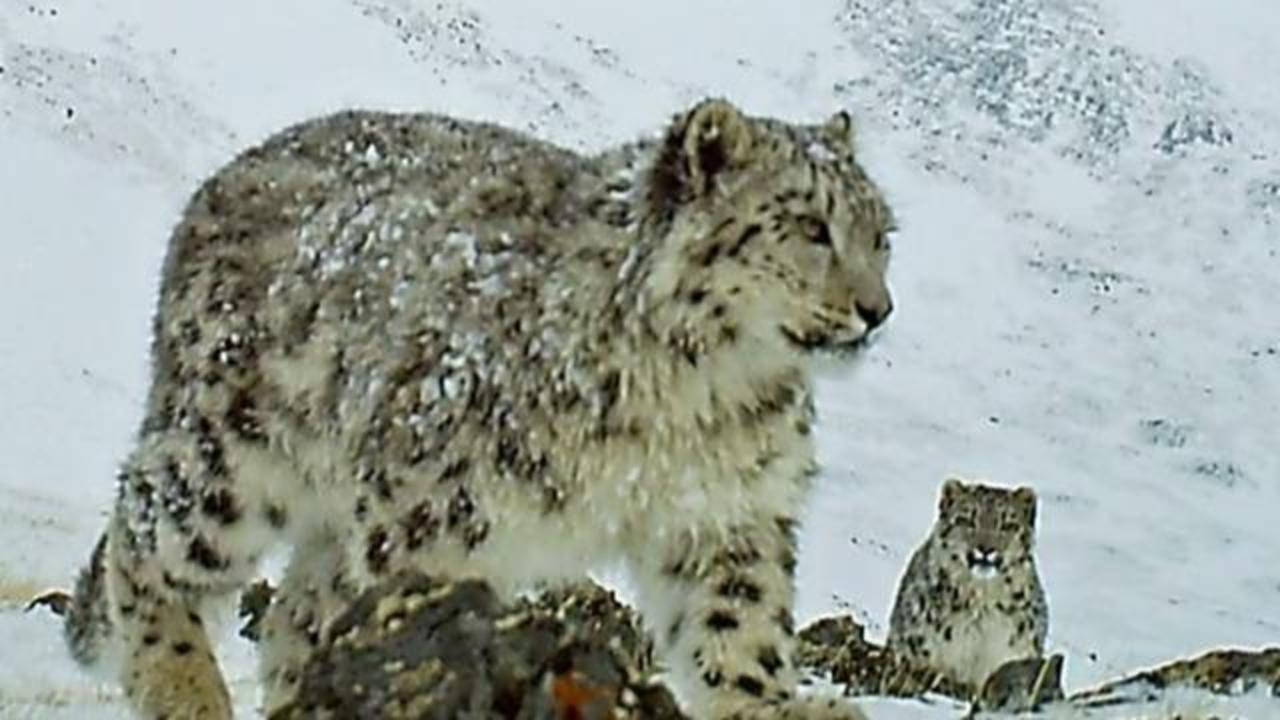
{"points": [[400, 341], [971, 598]]}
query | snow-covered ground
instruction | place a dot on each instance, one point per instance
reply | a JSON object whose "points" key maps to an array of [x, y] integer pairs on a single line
{"points": [[1087, 275]]}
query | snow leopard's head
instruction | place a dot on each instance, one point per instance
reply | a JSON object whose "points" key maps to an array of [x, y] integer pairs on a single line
{"points": [[983, 528], [778, 233]]}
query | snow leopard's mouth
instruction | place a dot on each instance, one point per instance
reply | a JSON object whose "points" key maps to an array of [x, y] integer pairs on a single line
{"points": [[816, 342]]}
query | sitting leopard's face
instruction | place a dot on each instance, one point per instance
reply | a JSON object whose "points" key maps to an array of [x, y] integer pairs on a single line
{"points": [[985, 529]]}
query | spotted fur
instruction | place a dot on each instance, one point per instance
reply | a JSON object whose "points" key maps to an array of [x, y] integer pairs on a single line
{"points": [[413, 341], [971, 598]]}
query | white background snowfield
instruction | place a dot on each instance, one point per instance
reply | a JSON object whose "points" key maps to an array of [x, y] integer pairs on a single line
{"points": [[1088, 273]]}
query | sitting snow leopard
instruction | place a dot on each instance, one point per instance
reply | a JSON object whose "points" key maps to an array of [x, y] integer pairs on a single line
{"points": [[971, 598], [409, 341]]}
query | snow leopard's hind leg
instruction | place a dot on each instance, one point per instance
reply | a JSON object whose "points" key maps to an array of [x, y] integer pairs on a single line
{"points": [[184, 532], [719, 602], [118, 621], [315, 588]]}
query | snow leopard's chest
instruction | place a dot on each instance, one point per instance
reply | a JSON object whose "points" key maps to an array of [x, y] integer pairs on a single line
{"points": [[989, 624]]}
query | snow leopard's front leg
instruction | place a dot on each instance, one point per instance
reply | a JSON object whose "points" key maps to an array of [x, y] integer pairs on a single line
{"points": [[719, 602]]}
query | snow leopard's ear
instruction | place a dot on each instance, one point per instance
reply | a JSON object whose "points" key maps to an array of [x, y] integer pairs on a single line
{"points": [[952, 489], [1025, 498], [839, 133], [716, 138], [698, 148]]}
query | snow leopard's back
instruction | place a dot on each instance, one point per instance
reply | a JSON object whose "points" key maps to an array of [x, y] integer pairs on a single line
{"points": [[316, 261]]}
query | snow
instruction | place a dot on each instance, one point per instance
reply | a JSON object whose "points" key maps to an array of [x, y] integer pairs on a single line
{"points": [[1086, 274]]}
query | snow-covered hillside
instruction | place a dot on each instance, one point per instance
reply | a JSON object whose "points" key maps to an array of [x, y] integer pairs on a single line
{"points": [[1087, 274]]}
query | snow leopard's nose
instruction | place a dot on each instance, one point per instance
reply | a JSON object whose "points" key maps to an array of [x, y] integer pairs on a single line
{"points": [[984, 557], [873, 314]]}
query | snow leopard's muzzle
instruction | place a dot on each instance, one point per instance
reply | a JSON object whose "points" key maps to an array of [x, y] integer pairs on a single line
{"points": [[842, 338]]}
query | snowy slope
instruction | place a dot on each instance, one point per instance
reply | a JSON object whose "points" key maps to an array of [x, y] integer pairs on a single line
{"points": [[1086, 276]]}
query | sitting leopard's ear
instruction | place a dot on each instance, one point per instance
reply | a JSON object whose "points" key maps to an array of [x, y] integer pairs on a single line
{"points": [[952, 489], [698, 148], [839, 132], [1025, 497]]}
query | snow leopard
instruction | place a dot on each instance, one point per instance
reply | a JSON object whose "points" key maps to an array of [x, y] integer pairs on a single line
{"points": [[412, 341], [971, 598]]}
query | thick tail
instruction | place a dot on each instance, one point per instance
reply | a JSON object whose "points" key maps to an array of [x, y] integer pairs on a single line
{"points": [[88, 620]]}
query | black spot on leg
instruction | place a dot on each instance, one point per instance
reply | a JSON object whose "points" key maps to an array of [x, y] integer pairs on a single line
{"points": [[749, 685], [782, 618], [276, 516], [221, 505], [710, 255], [787, 556], [722, 621], [713, 678], [150, 639], [787, 560], [769, 660], [747, 234], [696, 296], [377, 550], [201, 552], [182, 647]]}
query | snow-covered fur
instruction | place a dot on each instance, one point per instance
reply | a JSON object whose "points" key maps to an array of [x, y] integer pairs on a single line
{"points": [[409, 340]]}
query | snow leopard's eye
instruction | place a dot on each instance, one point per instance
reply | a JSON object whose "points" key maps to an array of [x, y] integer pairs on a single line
{"points": [[1010, 523], [818, 232], [964, 520]]}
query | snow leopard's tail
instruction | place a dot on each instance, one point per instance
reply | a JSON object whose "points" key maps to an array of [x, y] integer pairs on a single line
{"points": [[88, 620]]}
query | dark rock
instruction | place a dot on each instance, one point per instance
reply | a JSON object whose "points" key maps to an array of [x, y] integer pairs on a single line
{"points": [[1022, 685], [418, 648], [1222, 672]]}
